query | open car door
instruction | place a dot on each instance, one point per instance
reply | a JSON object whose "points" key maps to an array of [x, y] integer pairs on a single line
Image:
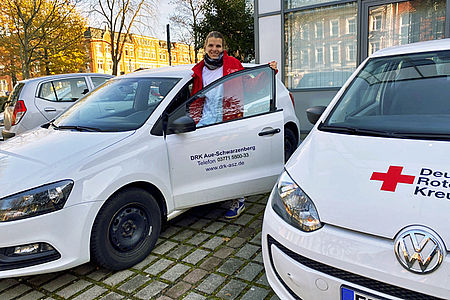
{"points": [[236, 151]]}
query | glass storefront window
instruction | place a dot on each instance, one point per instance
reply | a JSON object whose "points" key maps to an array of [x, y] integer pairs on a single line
{"points": [[405, 22], [320, 49], [302, 3]]}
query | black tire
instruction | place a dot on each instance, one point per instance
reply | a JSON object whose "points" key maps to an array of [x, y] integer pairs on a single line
{"points": [[125, 230], [290, 143]]}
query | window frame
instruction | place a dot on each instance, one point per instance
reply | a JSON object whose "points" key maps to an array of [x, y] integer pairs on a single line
{"points": [[57, 100], [361, 26], [165, 116]]}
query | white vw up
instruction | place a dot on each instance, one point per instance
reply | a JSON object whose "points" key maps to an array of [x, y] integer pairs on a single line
{"points": [[362, 208]]}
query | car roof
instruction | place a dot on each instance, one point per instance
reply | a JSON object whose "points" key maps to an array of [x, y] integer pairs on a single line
{"points": [[67, 75], [428, 46], [172, 71]]}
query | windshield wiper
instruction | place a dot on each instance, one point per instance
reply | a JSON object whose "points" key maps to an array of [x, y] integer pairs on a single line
{"points": [[423, 135], [76, 127], [356, 131]]}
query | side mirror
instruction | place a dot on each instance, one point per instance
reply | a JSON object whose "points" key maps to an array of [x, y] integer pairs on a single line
{"points": [[314, 113], [182, 124]]}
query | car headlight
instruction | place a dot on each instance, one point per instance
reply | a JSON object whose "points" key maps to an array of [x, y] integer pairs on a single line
{"points": [[37, 201], [291, 203]]}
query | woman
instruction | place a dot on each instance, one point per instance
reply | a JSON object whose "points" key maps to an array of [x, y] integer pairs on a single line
{"points": [[209, 110]]}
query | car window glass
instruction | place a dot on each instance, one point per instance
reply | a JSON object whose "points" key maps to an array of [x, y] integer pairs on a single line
{"points": [[15, 94], [181, 97], [238, 95], [65, 90], [97, 81], [399, 94], [118, 105]]}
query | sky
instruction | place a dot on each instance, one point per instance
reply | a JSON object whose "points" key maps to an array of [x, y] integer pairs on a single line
{"points": [[164, 10], [158, 27]]}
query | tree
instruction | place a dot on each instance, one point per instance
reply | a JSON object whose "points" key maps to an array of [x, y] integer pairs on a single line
{"points": [[234, 19], [187, 18], [40, 31], [119, 17]]}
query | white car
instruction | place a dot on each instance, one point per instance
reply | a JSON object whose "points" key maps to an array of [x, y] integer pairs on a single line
{"points": [[362, 208], [98, 181], [36, 101]]}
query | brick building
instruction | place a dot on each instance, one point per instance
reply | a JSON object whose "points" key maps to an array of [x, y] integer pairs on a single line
{"points": [[138, 52]]}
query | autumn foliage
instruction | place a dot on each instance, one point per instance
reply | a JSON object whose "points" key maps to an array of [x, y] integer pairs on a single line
{"points": [[40, 37]]}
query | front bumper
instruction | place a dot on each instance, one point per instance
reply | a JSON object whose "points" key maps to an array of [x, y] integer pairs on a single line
{"points": [[316, 265], [67, 230]]}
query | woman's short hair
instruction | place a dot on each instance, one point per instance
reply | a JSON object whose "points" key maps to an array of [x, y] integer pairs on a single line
{"points": [[216, 35]]}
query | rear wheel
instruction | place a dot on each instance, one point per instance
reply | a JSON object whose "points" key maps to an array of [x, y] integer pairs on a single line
{"points": [[290, 143], [125, 230]]}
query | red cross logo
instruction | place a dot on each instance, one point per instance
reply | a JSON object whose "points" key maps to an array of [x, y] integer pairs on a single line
{"points": [[392, 178]]}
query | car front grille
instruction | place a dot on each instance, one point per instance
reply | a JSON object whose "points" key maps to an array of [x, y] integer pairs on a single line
{"points": [[369, 283]]}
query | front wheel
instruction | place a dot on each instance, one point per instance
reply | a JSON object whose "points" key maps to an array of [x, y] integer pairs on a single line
{"points": [[126, 229], [290, 143]]}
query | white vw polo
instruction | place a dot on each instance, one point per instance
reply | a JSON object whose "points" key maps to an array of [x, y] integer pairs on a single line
{"points": [[362, 208], [97, 182]]}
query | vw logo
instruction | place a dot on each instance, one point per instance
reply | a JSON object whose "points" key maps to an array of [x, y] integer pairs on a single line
{"points": [[419, 250]]}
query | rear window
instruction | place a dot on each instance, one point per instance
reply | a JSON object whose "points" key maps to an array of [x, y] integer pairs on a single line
{"points": [[15, 94], [405, 96]]}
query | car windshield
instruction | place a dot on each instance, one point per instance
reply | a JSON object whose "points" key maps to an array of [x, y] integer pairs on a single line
{"points": [[405, 96], [118, 105]]}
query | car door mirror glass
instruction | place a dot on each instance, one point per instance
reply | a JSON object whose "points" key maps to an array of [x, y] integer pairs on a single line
{"points": [[181, 125], [314, 113]]}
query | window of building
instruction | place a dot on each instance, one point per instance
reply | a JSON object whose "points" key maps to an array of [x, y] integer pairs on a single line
{"points": [[319, 55], [405, 22], [376, 22], [350, 27], [3, 87], [302, 3], [304, 32], [98, 47], [304, 56], [374, 47], [334, 27], [351, 52], [307, 60], [100, 64], [318, 30], [334, 53]]}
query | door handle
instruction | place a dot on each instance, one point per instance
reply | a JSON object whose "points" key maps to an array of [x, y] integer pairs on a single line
{"points": [[49, 109], [270, 132]]}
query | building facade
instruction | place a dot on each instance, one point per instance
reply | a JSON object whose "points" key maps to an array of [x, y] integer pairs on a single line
{"points": [[319, 43], [138, 52]]}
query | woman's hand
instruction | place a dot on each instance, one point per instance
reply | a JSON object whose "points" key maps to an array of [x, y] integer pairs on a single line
{"points": [[273, 65]]}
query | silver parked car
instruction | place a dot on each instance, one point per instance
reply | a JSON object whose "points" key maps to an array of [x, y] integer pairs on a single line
{"points": [[36, 101]]}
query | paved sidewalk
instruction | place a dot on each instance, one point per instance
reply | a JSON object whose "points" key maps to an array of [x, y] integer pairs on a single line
{"points": [[200, 255]]}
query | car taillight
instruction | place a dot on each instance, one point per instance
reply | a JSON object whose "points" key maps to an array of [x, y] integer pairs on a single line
{"points": [[292, 99], [19, 110]]}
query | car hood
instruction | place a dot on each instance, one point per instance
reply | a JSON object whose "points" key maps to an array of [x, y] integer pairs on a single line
{"points": [[43, 155], [342, 174]]}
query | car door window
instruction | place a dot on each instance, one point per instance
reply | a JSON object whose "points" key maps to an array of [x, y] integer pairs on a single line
{"points": [[97, 81], [242, 94], [65, 90]]}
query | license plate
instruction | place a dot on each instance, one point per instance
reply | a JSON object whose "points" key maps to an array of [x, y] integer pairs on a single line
{"points": [[348, 293]]}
